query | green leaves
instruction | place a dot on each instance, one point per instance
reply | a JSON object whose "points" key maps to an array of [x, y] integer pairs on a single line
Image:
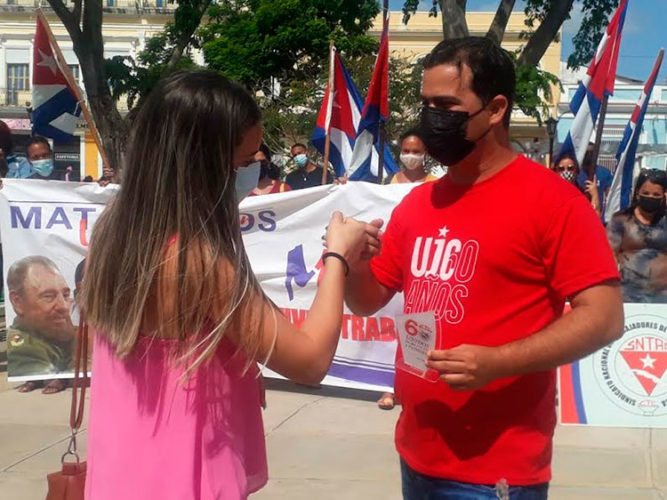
{"points": [[596, 16], [533, 91], [284, 39]]}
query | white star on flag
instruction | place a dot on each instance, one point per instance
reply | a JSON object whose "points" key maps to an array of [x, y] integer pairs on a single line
{"points": [[648, 361], [48, 62], [443, 231]]}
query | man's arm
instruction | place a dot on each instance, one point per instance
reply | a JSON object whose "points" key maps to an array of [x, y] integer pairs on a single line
{"points": [[596, 319], [364, 294]]}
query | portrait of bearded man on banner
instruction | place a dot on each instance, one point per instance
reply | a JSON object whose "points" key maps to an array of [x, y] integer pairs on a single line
{"points": [[41, 337]]}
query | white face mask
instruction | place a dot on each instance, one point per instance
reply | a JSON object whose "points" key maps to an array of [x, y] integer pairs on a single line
{"points": [[246, 179], [412, 161]]}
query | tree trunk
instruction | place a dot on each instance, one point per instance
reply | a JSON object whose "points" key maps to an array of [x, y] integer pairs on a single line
{"points": [[453, 16], [111, 126], [497, 30], [184, 38], [85, 29], [546, 33]]}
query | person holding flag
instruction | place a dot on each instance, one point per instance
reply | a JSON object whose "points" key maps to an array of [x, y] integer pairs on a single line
{"points": [[590, 101]]}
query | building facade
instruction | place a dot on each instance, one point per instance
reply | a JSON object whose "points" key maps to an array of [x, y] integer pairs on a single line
{"points": [[423, 32], [127, 24], [652, 149]]}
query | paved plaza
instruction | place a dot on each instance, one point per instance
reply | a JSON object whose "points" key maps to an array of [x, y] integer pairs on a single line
{"points": [[335, 444]]}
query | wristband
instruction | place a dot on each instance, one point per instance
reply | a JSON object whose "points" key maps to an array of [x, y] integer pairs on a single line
{"points": [[339, 257]]}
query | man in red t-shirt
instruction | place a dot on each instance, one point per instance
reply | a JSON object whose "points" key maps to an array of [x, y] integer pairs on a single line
{"points": [[492, 250]]}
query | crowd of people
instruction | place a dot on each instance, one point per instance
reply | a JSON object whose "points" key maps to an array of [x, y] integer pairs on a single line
{"points": [[181, 320]]}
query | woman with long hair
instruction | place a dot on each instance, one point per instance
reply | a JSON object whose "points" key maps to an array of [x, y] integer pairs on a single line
{"points": [[638, 236], [179, 318]]}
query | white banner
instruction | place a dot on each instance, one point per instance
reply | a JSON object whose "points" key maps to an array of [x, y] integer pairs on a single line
{"points": [[625, 383], [282, 234]]}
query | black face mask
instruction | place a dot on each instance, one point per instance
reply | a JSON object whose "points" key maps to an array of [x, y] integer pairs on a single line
{"points": [[649, 204], [444, 133]]}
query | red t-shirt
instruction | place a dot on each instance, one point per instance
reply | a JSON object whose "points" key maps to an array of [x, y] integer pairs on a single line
{"points": [[495, 262]]}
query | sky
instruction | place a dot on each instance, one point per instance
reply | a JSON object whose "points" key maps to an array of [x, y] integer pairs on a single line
{"points": [[645, 32]]}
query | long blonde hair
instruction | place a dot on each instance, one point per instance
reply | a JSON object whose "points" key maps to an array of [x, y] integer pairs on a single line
{"points": [[178, 184]]}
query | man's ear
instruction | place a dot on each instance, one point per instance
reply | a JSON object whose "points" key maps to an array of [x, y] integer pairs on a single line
{"points": [[17, 303], [498, 107]]}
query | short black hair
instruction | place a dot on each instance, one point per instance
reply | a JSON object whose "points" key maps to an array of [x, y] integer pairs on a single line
{"points": [[37, 139], [492, 67], [413, 132], [298, 145], [267, 152]]}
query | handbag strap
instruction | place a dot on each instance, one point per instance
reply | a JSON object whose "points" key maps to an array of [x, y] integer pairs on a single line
{"points": [[80, 382], [79, 385]]}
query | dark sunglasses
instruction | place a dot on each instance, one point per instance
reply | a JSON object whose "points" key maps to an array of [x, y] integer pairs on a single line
{"points": [[563, 168]]}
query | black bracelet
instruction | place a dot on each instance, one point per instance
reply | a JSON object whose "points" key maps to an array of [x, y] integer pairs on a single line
{"points": [[339, 257]]}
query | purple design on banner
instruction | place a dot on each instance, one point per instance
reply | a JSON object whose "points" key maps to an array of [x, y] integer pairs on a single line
{"points": [[362, 374], [296, 270]]}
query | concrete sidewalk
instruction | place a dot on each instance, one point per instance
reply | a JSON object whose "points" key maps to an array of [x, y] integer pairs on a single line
{"points": [[335, 444]]}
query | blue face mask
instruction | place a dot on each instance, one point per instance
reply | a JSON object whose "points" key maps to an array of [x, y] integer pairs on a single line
{"points": [[246, 179], [301, 160], [43, 167]]}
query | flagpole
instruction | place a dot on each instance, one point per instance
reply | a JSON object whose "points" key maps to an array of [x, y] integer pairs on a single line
{"points": [[327, 124], [381, 130], [598, 133], [106, 166]]}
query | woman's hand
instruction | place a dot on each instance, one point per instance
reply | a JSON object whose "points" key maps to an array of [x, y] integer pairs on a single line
{"points": [[354, 240]]}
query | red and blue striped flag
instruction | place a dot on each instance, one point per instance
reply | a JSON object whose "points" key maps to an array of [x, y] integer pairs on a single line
{"points": [[620, 193], [340, 115], [598, 82]]}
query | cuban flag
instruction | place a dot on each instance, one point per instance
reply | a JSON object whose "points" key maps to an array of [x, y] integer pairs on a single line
{"points": [[375, 110], [620, 193], [340, 115], [598, 82], [55, 107]]}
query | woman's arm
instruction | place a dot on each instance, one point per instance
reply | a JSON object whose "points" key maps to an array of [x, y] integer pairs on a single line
{"points": [[304, 353]]}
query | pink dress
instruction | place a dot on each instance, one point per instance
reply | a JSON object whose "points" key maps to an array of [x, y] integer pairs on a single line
{"points": [[151, 437]]}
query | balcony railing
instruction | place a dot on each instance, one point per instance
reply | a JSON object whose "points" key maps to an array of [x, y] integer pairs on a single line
{"points": [[134, 5], [23, 99], [15, 98]]}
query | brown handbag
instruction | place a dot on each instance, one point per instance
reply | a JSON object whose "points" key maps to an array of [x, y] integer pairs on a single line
{"points": [[69, 482]]}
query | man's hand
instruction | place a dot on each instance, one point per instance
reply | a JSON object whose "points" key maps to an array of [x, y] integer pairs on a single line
{"points": [[466, 367], [357, 241]]}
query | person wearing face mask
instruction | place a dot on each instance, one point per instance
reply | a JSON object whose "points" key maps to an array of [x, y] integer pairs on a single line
{"points": [[638, 236], [599, 175], [413, 158], [307, 174], [18, 166], [269, 175], [486, 258], [567, 167], [39, 153]]}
